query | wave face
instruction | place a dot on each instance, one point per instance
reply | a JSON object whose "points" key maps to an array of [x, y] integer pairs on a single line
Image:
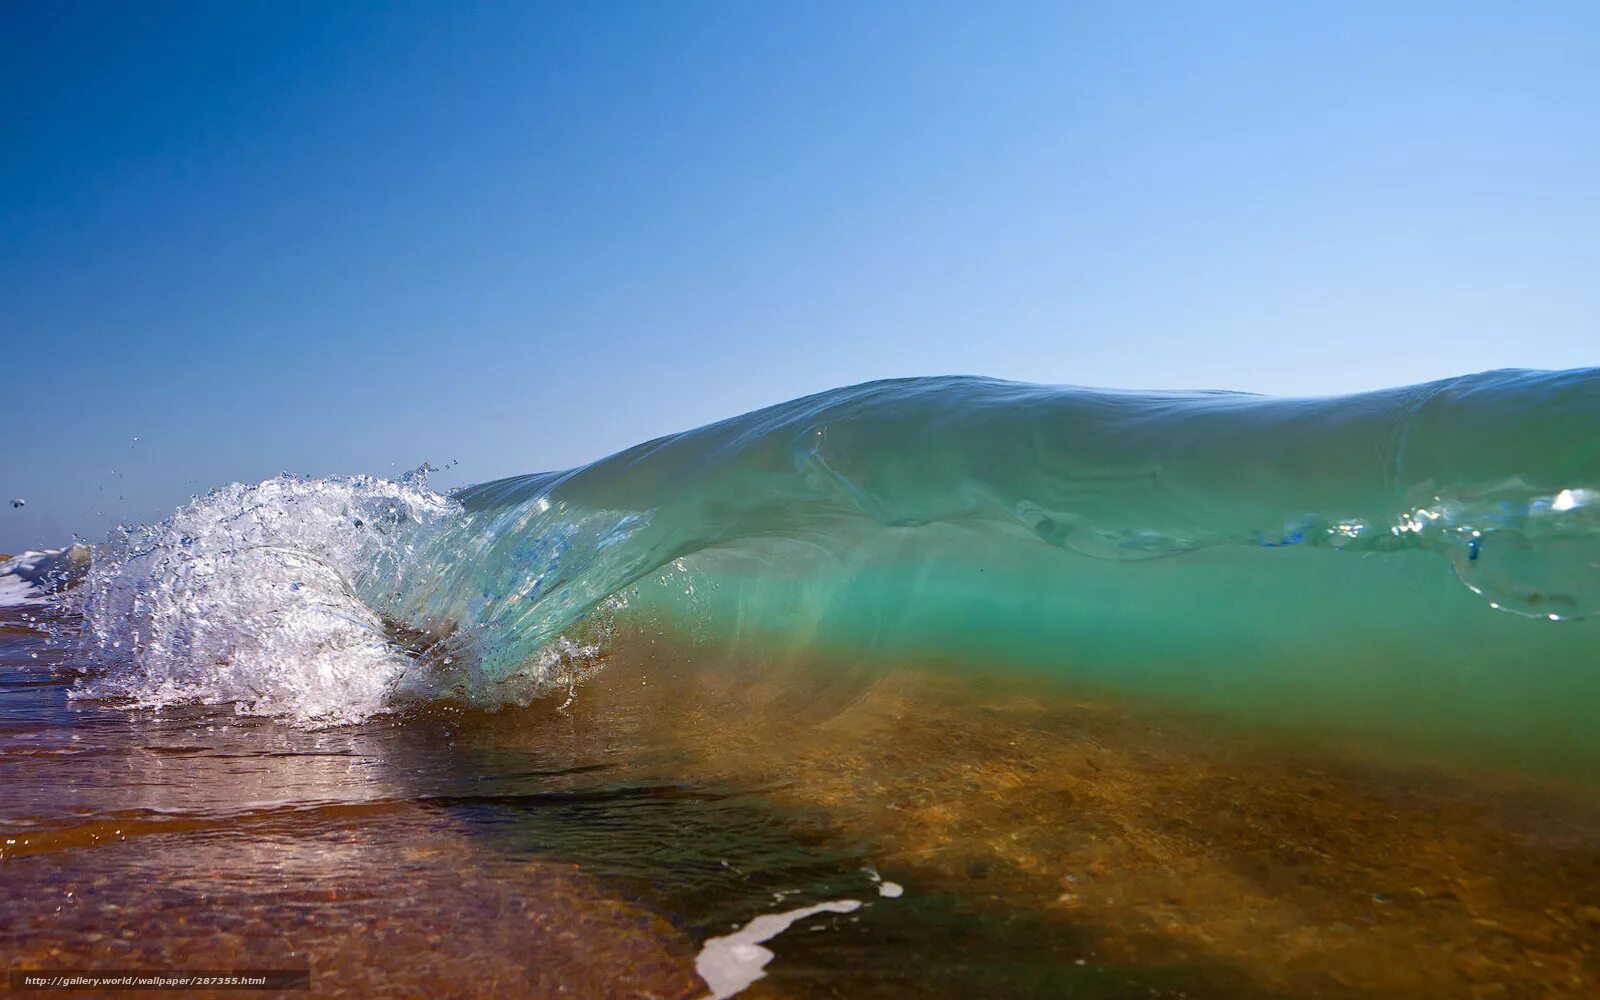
{"points": [[1225, 548]]}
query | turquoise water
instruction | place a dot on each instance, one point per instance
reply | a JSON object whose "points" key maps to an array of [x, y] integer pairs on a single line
{"points": [[1420, 565]]}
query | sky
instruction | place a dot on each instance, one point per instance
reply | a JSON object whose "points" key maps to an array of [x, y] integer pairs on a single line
{"points": [[355, 237]]}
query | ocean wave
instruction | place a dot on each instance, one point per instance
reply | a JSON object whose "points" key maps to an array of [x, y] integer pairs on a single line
{"points": [[34, 577], [870, 518]]}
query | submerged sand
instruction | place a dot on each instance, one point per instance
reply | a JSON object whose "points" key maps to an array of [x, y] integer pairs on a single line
{"points": [[387, 902], [1250, 861], [1048, 844]]}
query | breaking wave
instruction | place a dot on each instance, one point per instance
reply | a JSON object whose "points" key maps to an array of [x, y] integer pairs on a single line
{"points": [[1166, 541]]}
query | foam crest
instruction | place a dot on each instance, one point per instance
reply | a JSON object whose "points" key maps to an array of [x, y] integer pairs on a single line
{"points": [[256, 596]]}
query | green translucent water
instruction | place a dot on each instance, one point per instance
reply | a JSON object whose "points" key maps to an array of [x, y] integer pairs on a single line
{"points": [[1388, 645], [1422, 563], [1417, 566]]}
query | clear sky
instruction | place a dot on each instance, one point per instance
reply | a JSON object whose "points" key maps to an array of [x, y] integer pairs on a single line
{"points": [[353, 237]]}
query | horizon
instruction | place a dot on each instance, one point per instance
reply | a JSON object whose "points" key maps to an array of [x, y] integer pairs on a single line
{"points": [[506, 238]]}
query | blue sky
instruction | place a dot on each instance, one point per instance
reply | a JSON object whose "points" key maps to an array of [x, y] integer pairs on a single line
{"points": [[355, 237]]}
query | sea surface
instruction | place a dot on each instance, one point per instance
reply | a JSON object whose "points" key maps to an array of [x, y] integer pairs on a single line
{"points": [[924, 687]]}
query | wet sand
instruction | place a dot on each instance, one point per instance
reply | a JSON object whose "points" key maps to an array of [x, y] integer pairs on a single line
{"points": [[390, 902], [193, 839]]}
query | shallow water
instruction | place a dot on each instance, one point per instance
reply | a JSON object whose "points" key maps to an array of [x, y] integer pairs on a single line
{"points": [[1045, 844]]}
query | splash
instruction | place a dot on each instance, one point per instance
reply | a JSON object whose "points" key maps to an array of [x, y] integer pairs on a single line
{"points": [[253, 595]]}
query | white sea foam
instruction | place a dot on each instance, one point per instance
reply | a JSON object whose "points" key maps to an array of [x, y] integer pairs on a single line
{"points": [[252, 595], [886, 889], [14, 591], [34, 576], [729, 964]]}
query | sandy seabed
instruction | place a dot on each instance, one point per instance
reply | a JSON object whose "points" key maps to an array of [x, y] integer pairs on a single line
{"points": [[1048, 844]]}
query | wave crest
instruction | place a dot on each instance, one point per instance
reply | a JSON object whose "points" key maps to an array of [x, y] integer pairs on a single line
{"points": [[867, 515], [257, 595]]}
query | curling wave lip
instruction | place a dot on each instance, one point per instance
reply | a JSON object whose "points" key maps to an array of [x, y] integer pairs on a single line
{"points": [[1208, 547]]}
